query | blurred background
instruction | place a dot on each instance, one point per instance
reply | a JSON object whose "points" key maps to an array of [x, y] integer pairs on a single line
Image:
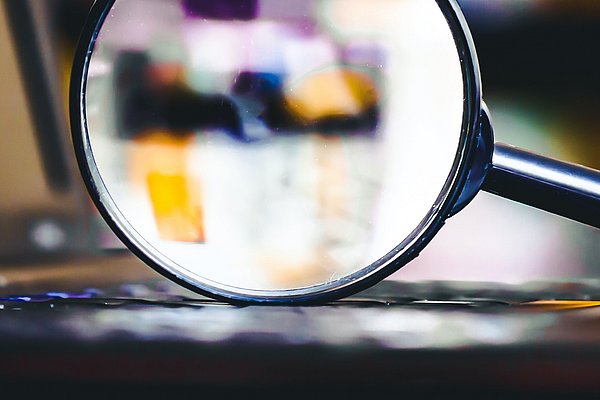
{"points": [[539, 63]]}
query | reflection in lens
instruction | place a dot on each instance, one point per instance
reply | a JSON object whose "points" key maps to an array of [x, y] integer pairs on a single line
{"points": [[273, 145]]}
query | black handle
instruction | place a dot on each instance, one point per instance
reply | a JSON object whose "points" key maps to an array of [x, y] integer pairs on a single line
{"points": [[569, 190]]}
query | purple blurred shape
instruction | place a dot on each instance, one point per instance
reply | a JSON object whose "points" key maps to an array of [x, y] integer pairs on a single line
{"points": [[222, 9]]}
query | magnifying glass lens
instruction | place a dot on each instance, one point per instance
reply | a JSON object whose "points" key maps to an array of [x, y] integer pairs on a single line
{"points": [[273, 148]]}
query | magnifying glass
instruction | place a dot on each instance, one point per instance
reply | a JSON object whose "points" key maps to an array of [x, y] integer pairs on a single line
{"points": [[292, 151]]}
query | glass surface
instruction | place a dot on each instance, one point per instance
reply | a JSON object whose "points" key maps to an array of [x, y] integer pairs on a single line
{"points": [[269, 144]]}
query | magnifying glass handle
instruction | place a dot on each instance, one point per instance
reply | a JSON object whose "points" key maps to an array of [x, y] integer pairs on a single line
{"points": [[565, 189]]}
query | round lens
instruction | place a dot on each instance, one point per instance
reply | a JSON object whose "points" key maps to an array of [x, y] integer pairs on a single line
{"points": [[269, 149]]}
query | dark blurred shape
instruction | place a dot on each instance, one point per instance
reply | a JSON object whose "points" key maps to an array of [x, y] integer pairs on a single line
{"points": [[37, 78], [548, 49], [543, 57], [549, 56], [70, 16], [264, 92], [364, 123], [244, 10], [184, 110], [154, 96], [147, 102], [263, 95]]}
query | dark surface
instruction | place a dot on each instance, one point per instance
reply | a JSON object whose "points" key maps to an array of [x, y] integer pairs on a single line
{"points": [[425, 339]]}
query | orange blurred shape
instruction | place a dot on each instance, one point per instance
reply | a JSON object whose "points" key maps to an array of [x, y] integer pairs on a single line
{"points": [[159, 161], [178, 216], [336, 91]]}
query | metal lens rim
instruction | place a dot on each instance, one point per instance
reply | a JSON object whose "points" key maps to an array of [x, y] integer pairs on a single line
{"points": [[366, 277]]}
